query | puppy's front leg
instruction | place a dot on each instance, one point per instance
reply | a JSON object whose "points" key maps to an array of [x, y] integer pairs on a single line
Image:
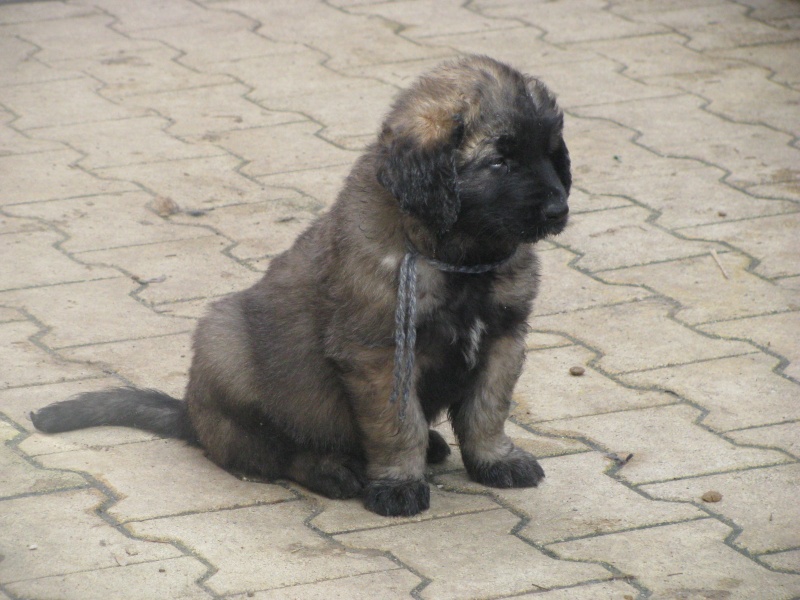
{"points": [[395, 447], [490, 457]]}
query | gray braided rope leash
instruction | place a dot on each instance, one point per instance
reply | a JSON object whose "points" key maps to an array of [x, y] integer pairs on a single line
{"points": [[405, 318]]}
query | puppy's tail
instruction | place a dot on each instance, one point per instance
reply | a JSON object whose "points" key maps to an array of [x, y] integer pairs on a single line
{"points": [[146, 409]]}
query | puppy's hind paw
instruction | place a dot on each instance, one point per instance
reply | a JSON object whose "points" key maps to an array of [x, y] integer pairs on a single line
{"points": [[438, 448], [397, 498], [518, 469]]}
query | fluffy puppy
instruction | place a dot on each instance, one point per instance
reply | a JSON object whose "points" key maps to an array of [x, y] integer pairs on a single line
{"points": [[407, 299]]}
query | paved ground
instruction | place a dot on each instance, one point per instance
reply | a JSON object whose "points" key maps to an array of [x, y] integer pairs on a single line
{"points": [[677, 287]]}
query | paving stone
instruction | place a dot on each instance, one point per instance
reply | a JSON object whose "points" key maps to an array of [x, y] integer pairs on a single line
{"points": [[422, 20], [672, 188], [16, 225], [192, 268], [200, 113], [322, 184], [778, 332], [760, 501], [131, 18], [487, 561], [576, 499], [136, 361], [57, 177], [538, 340], [27, 12], [267, 228], [546, 390], [145, 71], [706, 292], [605, 78], [665, 443], [656, 54], [718, 25], [572, 20], [742, 391], [771, 240], [613, 590], [31, 521], [368, 40], [336, 516], [564, 289], [25, 363], [678, 126], [14, 142], [196, 183], [18, 68], [170, 578], [697, 562], [164, 477], [291, 147], [787, 561], [621, 237], [222, 37], [145, 141], [638, 336], [18, 476], [771, 103], [86, 221], [390, 584], [44, 264], [778, 58], [241, 541], [785, 436], [582, 202], [56, 37], [518, 46]]}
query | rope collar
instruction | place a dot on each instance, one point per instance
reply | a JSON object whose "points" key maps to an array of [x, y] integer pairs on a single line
{"points": [[405, 317]]}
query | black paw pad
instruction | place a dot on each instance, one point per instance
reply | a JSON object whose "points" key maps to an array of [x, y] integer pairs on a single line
{"points": [[397, 498]]}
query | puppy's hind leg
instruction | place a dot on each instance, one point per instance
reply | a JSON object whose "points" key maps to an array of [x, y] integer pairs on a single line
{"points": [[490, 457], [336, 476]]}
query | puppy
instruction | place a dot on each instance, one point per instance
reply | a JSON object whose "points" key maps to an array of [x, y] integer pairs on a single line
{"points": [[407, 299]]}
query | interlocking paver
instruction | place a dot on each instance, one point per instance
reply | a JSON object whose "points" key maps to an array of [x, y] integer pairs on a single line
{"points": [[687, 559], [18, 476], [487, 562], [760, 501], [155, 156], [728, 394], [623, 347], [133, 360], [262, 547], [169, 578], [771, 240], [596, 504], [391, 584], [145, 476], [546, 391], [57, 176], [649, 434], [179, 270], [710, 288], [32, 551]]}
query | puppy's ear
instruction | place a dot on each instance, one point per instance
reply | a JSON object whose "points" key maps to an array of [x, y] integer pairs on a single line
{"points": [[421, 173], [561, 164]]}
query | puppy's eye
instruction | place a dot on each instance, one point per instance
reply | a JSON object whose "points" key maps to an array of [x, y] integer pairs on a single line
{"points": [[499, 165]]}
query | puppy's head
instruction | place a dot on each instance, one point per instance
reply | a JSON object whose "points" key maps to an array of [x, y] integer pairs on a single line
{"points": [[475, 147]]}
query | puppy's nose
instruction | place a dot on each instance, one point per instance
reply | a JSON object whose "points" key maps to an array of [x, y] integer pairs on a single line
{"points": [[556, 210]]}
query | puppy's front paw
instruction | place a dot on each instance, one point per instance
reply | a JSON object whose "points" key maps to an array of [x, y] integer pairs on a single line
{"points": [[397, 498], [518, 469]]}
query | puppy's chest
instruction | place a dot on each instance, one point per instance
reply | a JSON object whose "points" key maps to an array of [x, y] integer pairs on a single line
{"points": [[461, 321]]}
